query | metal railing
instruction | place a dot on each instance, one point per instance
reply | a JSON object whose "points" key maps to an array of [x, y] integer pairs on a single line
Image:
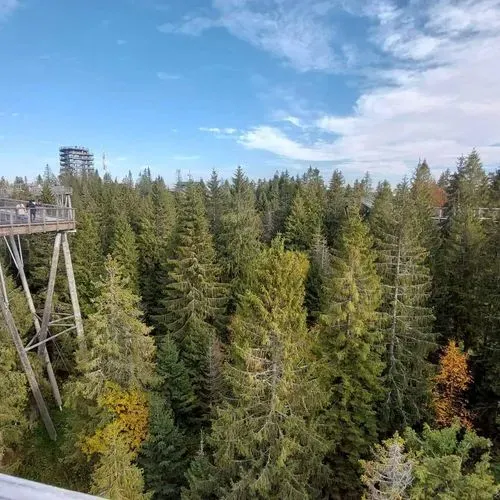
{"points": [[18, 213], [482, 213]]}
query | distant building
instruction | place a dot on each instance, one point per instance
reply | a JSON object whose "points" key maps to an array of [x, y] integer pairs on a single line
{"points": [[76, 161]]}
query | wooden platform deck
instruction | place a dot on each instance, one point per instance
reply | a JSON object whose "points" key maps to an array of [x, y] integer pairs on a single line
{"points": [[17, 219]]}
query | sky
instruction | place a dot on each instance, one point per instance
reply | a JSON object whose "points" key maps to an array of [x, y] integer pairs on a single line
{"points": [[192, 85]]}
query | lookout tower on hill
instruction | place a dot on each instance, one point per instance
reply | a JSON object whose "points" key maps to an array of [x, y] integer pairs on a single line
{"points": [[76, 160], [19, 218]]}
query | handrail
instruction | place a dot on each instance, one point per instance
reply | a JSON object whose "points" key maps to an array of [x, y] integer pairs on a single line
{"points": [[17, 213]]}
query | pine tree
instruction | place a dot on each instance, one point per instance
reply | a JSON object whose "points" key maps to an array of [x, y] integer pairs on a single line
{"points": [[406, 285], [427, 195], [194, 295], [307, 212], [320, 262], [445, 463], [266, 442], [119, 348], [450, 463], [164, 455], [390, 474], [215, 202], [352, 340], [240, 231], [124, 251], [336, 203], [87, 257], [115, 476]]}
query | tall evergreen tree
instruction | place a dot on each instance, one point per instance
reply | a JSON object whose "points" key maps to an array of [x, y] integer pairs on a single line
{"points": [[336, 203], [194, 295], [119, 348], [88, 261], [406, 284], [240, 231], [266, 443], [307, 212], [352, 342], [124, 251]]}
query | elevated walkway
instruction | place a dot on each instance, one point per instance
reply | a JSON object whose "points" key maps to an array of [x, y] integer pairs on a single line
{"points": [[17, 219]]}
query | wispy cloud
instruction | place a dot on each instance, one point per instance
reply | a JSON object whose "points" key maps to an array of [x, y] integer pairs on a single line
{"points": [[297, 31], [185, 157], [121, 42], [168, 76], [219, 131], [436, 97], [7, 7]]}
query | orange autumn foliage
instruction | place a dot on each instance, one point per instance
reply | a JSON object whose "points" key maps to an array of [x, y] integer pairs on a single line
{"points": [[130, 421], [451, 382]]}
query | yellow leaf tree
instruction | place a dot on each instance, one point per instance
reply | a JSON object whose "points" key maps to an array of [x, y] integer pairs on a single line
{"points": [[451, 383]]}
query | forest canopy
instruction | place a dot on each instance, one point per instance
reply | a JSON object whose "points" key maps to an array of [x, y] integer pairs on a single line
{"points": [[282, 338]]}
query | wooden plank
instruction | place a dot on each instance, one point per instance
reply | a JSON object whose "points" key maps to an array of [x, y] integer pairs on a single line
{"points": [[18, 261], [37, 228], [80, 336]]}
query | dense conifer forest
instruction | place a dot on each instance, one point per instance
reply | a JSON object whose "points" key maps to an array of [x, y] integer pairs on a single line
{"points": [[287, 338]]}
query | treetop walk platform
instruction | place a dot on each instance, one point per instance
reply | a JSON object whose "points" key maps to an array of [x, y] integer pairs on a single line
{"points": [[16, 218]]}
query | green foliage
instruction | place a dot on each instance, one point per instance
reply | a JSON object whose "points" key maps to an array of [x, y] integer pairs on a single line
{"points": [[194, 296], [266, 442], [450, 463], [306, 215], [164, 454], [124, 251], [446, 464], [351, 343], [119, 348], [239, 234], [88, 261], [408, 321], [115, 476]]}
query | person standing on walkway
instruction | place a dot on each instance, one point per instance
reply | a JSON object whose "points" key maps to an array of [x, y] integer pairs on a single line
{"points": [[32, 210]]}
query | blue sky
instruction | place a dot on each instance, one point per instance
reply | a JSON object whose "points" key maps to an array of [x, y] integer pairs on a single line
{"points": [[361, 85]]}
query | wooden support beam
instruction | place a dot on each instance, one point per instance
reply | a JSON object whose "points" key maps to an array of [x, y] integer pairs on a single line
{"points": [[50, 292], [25, 362], [80, 336], [18, 261]]}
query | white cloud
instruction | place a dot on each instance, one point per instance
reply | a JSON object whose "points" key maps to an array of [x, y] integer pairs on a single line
{"points": [[439, 99], [185, 157], [293, 120], [219, 131], [167, 76], [297, 31], [121, 42], [7, 7], [274, 140]]}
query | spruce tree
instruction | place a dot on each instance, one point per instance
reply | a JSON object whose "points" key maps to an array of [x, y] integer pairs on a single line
{"points": [[116, 477], [408, 323], [119, 347], [320, 262], [239, 236], [88, 260], [164, 457], [426, 196], [265, 441], [336, 203], [351, 343], [194, 296], [307, 212], [124, 251]]}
